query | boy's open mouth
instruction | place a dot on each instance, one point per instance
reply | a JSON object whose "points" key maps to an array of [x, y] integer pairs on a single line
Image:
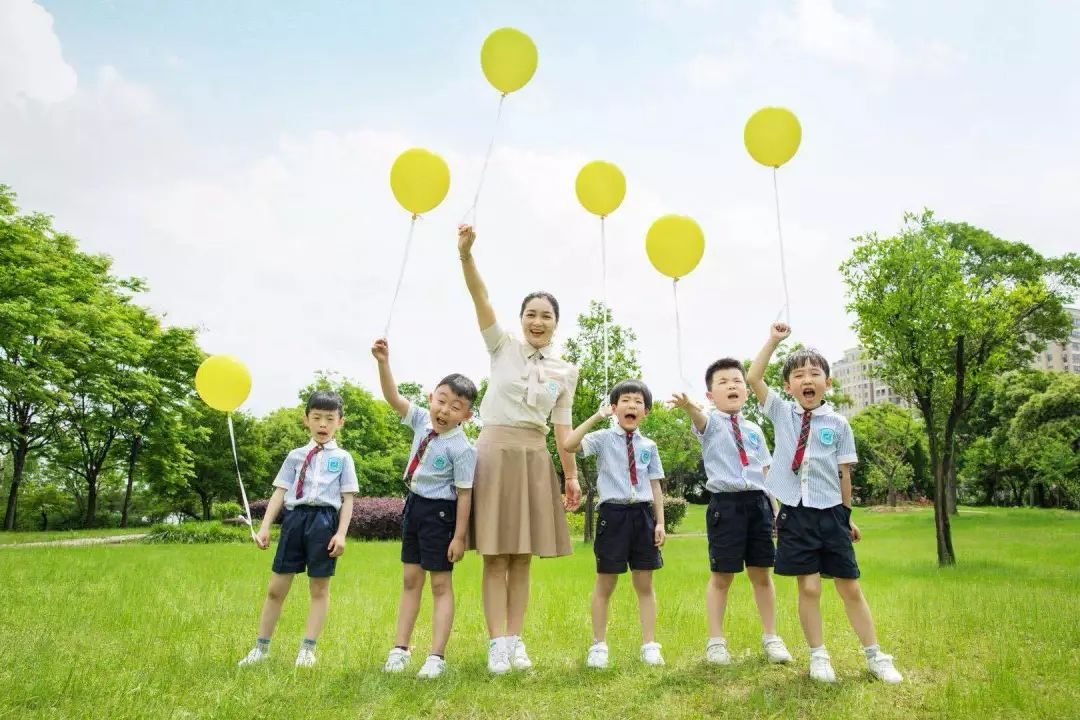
{"points": [[809, 393], [733, 396], [630, 416]]}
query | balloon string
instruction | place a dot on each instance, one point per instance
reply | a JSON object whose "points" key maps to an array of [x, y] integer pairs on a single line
{"points": [[483, 170], [236, 462], [603, 273], [401, 276], [786, 310], [678, 334]]}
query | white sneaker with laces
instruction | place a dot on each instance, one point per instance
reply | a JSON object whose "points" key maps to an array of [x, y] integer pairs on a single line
{"points": [[650, 654], [498, 656], [821, 667], [717, 653], [397, 660], [434, 666], [598, 656], [257, 655], [518, 657], [306, 657], [775, 650], [881, 666]]}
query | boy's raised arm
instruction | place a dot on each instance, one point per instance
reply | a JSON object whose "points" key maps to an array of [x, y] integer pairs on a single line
{"points": [[381, 351], [572, 441], [756, 375]]}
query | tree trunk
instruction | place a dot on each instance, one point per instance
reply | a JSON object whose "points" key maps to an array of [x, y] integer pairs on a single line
{"points": [[207, 502], [891, 496], [590, 516], [951, 496], [18, 463], [136, 443], [942, 528], [91, 501]]}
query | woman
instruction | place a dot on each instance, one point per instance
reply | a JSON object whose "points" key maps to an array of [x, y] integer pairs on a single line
{"points": [[517, 509]]}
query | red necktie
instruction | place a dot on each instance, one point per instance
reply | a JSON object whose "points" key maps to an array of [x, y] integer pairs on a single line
{"points": [[415, 463], [630, 458], [738, 440], [804, 435], [303, 471]]}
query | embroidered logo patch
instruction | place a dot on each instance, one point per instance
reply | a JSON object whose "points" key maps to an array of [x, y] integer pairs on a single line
{"points": [[440, 462], [754, 439], [645, 457], [333, 464], [553, 388], [828, 436]]}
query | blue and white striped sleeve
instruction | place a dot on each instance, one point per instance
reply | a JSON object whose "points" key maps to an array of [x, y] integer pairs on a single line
{"points": [[465, 467], [775, 408], [656, 469], [590, 444], [845, 448], [287, 474], [349, 482]]}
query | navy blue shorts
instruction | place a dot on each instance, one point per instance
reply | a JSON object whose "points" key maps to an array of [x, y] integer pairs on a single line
{"points": [[739, 526], [625, 535], [815, 540], [305, 535], [427, 528]]}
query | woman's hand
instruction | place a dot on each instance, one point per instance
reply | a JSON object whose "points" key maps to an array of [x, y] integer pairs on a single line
{"points": [[572, 497], [466, 236]]}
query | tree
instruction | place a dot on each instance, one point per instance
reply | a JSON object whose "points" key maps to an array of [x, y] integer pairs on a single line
{"points": [[214, 472], [679, 450], [946, 307], [886, 436], [1046, 433], [585, 350]]}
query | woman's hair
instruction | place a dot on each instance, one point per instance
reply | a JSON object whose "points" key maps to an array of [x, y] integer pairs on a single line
{"points": [[540, 294]]}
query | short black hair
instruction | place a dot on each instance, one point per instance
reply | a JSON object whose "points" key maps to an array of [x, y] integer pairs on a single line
{"points": [[805, 356], [540, 294], [325, 400], [726, 363], [460, 386], [628, 387]]}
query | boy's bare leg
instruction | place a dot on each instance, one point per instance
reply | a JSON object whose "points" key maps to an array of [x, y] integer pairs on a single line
{"points": [[320, 603], [858, 611], [764, 596], [442, 616], [412, 589], [716, 601], [643, 586], [601, 598], [276, 593], [810, 609]]}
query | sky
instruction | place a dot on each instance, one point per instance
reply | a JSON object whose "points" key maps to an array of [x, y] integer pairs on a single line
{"points": [[236, 156]]}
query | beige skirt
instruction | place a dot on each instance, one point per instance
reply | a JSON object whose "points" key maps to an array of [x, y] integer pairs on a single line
{"points": [[517, 505]]}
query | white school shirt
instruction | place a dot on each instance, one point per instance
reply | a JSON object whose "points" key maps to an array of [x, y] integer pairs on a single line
{"points": [[330, 474], [720, 454], [613, 465], [830, 445], [449, 460]]}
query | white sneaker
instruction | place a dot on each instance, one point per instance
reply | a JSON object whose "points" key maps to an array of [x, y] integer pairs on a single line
{"points": [[598, 656], [775, 650], [306, 657], [821, 667], [498, 656], [257, 655], [650, 654], [717, 653], [518, 657], [397, 660], [434, 666], [881, 667]]}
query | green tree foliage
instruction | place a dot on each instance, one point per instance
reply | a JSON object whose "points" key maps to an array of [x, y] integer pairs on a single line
{"points": [[886, 437], [946, 307]]}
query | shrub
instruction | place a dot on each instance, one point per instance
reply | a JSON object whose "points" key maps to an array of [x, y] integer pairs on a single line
{"points": [[373, 518], [576, 521], [674, 512], [227, 510], [197, 533]]}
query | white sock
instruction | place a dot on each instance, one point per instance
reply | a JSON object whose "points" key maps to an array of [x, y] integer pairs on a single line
{"points": [[818, 651], [767, 638], [718, 640], [871, 651]]}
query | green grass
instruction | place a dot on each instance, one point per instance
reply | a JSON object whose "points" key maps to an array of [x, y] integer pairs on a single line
{"points": [[19, 537], [143, 631]]}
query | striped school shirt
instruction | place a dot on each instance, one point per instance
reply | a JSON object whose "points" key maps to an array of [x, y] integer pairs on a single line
{"points": [[613, 465], [720, 454], [449, 460]]}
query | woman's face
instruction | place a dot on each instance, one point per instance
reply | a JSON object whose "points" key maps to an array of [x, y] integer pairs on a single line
{"points": [[538, 322]]}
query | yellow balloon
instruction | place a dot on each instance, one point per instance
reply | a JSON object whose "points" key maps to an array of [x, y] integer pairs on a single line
{"points": [[772, 136], [675, 244], [601, 187], [223, 382], [420, 180], [508, 59]]}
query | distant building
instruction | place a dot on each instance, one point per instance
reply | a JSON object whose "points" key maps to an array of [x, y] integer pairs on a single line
{"points": [[854, 374], [1063, 357]]}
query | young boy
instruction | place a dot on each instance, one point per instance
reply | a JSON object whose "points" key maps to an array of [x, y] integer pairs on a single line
{"points": [[630, 522], [811, 477], [436, 517], [740, 514], [316, 484]]}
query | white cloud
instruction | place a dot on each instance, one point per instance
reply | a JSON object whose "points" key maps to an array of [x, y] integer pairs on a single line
{"points": [[706, 71], [32, 66]]}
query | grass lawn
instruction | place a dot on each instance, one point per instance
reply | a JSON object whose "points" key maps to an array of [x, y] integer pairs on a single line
{"points": [[140, 631], [19, 537]]}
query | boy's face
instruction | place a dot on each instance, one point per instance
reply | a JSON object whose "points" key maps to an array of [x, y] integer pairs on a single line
{"points": [[447, 409], [538, 322], [630, 410], [728, 391], [808, 384], [322, 424]]}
